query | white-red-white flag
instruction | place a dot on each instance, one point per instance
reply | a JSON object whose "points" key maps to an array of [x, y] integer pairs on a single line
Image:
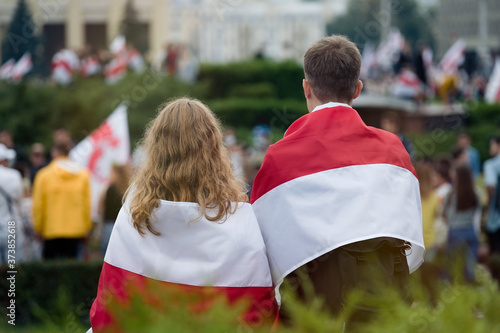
{"points": [[64, 63], [6, 69], [407, 84], [453, 58], [116, 69], [388, 51], [22, 67], [492, 94], [109, 144], [310, 201], [229, 261]]}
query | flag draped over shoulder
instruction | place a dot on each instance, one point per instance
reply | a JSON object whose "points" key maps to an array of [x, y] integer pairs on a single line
{"points": [[203, 258], [332, 181], [108, 144]]}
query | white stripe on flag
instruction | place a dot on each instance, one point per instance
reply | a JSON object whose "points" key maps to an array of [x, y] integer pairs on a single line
{"points": [[202, 253], [492, 94], [311, 215]]}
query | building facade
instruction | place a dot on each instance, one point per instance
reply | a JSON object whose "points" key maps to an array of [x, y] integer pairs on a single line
{"points": [[476, 21], [216, 30]]}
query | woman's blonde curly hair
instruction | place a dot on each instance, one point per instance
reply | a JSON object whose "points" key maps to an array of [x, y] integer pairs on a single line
{"points": [[186, 161]]}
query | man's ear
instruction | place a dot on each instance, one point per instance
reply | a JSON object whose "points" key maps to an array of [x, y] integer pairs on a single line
{"points": [[307, 89], [359, 87]]}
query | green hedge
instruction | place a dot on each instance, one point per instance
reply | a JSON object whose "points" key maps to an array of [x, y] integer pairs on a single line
{"points": [[278, 114], [32, 110], [285, 78], [242, 94], [483, 122], [39, 287], [56, 297]]}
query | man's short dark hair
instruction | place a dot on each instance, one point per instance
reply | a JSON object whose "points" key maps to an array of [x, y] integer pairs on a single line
{"points": [[62, 147], [332, 67]]}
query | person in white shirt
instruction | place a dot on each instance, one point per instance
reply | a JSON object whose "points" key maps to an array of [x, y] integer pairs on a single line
{"points": [[11, 193]]}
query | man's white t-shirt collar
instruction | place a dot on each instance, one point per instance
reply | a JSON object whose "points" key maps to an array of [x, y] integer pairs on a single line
{"points": [[330, 105]]}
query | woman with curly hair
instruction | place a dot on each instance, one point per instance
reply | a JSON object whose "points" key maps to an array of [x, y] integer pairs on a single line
{"points": [[185, 227]]}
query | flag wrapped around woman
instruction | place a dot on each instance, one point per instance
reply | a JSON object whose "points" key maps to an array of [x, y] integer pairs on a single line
{"points": [[184, 228]]}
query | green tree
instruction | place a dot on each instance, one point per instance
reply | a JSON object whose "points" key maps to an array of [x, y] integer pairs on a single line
{"points": [[365, 21], [132, 29], [359, 22], [21, 35]]}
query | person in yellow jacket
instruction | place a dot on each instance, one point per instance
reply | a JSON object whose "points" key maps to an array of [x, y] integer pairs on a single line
{"points": [[61, 205]]}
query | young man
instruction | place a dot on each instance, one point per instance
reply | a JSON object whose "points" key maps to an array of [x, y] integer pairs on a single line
{"points": [[61, 205], [334, 192]]}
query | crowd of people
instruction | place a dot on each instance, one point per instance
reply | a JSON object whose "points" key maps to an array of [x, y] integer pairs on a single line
{"points": [[49, 198], [460, 216], [334, 199]]}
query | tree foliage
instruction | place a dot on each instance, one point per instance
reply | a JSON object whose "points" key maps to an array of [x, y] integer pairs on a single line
{"points": [[132, 29], [365, 21], [20, 36]]}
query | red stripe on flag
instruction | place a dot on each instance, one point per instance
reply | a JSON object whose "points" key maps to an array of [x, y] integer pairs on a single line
{"points": [[61, 63], [327, 139], [117, 287]]}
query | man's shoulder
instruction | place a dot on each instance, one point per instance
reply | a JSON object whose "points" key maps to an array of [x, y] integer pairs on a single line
{"points": [[10, 174]]}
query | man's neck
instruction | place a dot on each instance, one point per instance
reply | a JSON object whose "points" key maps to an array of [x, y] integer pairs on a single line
{"points": [[313, 104], [330, 105]]}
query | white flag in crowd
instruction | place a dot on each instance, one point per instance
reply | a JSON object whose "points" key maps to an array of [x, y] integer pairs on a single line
{"points": [[116, 69], [109, 144], [388, 51], [22, 67], [492, 94], [118, 45], [369, 59], [453, 58], [64, 63], [6, 69]]}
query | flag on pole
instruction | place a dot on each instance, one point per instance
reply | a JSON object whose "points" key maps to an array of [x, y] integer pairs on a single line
{"points": [[310, 200], [107, 145], [492, 94], [227, 261], [22, 67], [6, 69], [453, 58], [388, 51]]}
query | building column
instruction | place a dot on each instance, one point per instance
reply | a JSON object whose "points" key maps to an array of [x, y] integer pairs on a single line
{"points": [[159, 27], [483, 20], [116, 10], [75, 25]]}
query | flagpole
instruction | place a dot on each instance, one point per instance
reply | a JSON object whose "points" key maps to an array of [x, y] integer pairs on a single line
{"points": [[385, 6], [483, 34]]}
